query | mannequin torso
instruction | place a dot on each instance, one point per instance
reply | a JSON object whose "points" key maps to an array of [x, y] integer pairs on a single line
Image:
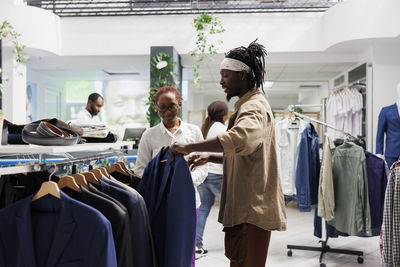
{"points": [[389, 122]]}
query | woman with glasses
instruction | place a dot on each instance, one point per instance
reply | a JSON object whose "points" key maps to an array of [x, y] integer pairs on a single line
{"points": [[171, 129]]}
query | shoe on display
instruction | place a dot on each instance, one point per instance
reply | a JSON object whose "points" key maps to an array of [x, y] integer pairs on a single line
{"points": [[200, 252]]}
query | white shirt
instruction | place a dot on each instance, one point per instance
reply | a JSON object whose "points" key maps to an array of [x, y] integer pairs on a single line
{"points": [[214, 130], [156, 137], [288, 141], [84, 116], [357, 104]]}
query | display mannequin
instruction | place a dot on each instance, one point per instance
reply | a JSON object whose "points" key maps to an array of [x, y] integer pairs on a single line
{"points": [[389, 124]]}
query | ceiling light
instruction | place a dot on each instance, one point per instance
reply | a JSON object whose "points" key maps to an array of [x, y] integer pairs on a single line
{"points": [[268, 84], [108, 72]]}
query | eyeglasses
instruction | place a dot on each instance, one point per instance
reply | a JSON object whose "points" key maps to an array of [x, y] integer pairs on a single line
{"points": [[170, 108]]}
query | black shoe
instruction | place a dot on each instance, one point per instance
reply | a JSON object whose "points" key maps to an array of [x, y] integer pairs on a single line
{"points": [[200, 252]]}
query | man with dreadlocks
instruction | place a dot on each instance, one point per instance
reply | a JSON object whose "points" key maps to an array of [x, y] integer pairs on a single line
{"points": [[252, 203]]}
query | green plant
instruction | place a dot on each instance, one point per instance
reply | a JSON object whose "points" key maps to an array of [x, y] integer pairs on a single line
{"points": [[298, 110], [161, 66], [8, 31], [205, 25]]}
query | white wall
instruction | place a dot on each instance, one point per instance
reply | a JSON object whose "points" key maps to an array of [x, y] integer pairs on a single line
{"points": [[38, 28], [51, 85]]}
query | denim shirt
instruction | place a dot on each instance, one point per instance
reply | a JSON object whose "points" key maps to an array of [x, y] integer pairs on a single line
{"points": [[307, 171]]}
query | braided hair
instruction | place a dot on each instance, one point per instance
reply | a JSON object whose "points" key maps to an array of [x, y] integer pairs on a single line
{"points": [[254, 57]]}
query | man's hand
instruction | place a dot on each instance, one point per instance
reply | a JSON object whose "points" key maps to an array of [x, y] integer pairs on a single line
{"points": [[197, 160], [178, 148]]}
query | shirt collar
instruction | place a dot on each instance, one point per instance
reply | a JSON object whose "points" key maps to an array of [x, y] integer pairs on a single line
{"points": [[89, 113], [164, 129], [246, 97]]}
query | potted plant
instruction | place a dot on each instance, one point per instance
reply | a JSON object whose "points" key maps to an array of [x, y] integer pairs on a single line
{"points": [[161, 66], [7, 31]]}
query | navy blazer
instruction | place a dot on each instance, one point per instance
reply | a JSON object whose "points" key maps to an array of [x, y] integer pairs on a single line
{"points": [[389, 123], [118, 218], [51, 232], [168, 191]]}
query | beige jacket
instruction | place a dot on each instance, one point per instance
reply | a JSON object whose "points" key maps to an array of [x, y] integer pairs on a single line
{"points": [[326, 195], [251, 188]]}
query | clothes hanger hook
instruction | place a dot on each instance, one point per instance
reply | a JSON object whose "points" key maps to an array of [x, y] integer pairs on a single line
{"points": [[55, 169]]}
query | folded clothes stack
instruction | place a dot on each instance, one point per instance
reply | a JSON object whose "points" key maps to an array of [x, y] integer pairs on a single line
{"points": [[95, 133]]}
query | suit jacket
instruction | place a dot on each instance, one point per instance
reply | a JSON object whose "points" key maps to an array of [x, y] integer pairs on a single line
{"points": [[389, 123], [118, 218], [144, 212], [142, 253], [52, 232], [168, 191]]}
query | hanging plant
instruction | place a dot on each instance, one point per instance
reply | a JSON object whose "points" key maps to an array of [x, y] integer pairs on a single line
{"points": [[161, 66], [205, 25], [8, 31]]}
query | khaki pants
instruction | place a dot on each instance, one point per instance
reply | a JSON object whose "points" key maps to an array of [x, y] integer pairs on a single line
{"points": [[246, 245]]}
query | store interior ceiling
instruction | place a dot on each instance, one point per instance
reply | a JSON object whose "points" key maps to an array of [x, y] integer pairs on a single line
{"points": [[90, 8], [288, 75]]}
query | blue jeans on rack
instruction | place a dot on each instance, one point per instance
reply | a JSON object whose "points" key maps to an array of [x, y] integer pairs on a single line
{"points": [[208, 190]]}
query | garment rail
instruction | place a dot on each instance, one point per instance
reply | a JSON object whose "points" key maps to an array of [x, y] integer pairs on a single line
{"points": [[46, 166], [324, 248]]}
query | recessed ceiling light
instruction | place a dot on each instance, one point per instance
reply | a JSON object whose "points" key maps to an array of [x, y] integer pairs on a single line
{"points": [[120, 72], [268, 84]]}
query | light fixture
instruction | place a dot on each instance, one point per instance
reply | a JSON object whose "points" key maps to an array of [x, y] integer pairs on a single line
{"points": [[268, 84]]}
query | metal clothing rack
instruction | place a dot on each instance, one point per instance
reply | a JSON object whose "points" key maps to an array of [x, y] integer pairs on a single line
{"points": [[291, 109], [357, 84], [324, 248], [47, 165]]}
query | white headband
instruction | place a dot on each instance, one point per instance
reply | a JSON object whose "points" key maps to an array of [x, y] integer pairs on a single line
{"points": [[235, 65]]}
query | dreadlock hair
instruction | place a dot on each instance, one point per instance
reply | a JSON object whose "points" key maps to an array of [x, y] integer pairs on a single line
{"points": [[167, 89], [254, 57]]}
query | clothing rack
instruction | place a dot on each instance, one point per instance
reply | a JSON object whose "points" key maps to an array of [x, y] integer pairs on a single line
{"points": [[357, 84], [47, 165], [291, 109], [324, 248]]}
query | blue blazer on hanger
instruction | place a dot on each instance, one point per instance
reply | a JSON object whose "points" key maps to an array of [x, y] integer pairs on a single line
{"points": [[52, 232], [389, 123], [168, 191]]}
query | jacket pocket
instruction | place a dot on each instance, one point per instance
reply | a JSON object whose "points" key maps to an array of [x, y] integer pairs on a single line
{"points": [[70, 264]]}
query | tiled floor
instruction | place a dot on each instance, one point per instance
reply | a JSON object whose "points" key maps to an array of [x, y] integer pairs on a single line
{"points": [[299, 232]]}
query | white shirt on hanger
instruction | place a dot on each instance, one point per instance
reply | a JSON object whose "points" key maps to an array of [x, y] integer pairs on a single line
{"points": [[288, 141]]}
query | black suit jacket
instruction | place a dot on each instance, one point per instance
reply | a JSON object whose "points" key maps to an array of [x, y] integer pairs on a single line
{"points": [[118, 218]]}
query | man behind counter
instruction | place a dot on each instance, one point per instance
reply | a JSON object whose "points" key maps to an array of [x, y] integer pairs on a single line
{"points": [[93, 107]]}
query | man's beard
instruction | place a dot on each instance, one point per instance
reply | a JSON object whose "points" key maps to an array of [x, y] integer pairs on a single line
{"points": [[93, 111], [228, 97]]}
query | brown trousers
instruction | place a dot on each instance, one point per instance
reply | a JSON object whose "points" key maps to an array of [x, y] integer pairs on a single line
{"points": [[246, 245]]}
